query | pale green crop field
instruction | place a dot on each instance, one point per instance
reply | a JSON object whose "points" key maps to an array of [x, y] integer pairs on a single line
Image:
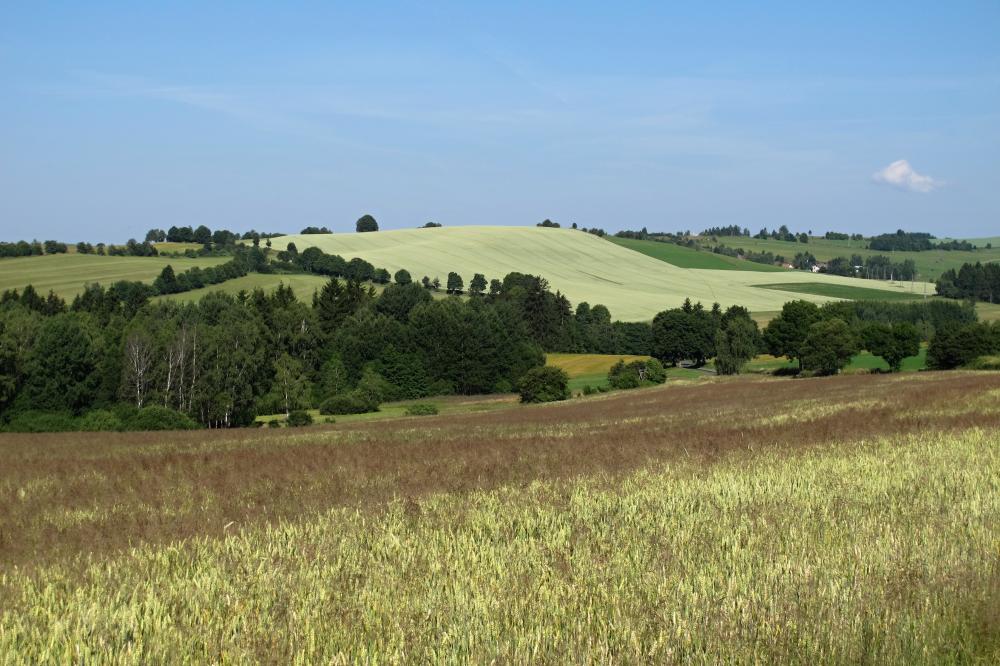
{"points": [[303, 286], [632, 285], [66, 274]]}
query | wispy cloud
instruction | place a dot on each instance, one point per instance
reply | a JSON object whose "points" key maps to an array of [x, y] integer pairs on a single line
{"points": [[266, 112], [901, 175]]}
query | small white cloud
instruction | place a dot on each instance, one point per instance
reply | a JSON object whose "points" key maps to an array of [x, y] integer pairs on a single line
{"points": [[900, 174]]}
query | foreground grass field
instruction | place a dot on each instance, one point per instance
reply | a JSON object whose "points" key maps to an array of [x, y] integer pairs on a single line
{"points": [[66, 274], [631, 284], [840, 520]]}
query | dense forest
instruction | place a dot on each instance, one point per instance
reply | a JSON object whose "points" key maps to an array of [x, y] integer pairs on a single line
{"points": [[974, 282], [225, 359]]}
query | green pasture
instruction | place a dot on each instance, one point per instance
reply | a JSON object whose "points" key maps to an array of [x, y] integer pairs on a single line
{"points": [[848, 292], [685, 257]]}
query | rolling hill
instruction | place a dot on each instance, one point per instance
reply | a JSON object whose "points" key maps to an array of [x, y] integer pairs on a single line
{"points": [[633, 285]]}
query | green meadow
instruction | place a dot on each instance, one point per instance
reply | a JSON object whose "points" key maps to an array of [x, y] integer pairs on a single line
{"points": [[846, 292], [685, 257]]}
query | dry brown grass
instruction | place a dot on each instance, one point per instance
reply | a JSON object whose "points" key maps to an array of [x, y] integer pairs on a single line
{"points": [[63, 496]]}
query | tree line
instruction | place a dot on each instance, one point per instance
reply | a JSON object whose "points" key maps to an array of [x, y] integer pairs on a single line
{"points": [[973, 282], [31, 249], [902, 241], [876, 267]]}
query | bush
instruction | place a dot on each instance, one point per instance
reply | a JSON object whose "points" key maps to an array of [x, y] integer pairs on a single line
{"points": [[984, 363], [124, 412], [274, 423], [159, 418], [347, 403], [621, 376], [299, 418], [39, 421], [544, 384], [636, 374], [422, 409], [443, 387], [655, 372], [100, 420], [588, 389], [503, 386]]}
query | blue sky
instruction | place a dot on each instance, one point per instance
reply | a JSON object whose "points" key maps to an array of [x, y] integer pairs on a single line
{"points": [[119, 117]]}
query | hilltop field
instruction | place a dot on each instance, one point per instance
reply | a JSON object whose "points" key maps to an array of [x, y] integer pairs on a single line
{"points": [[852, 519], [582, 266]]}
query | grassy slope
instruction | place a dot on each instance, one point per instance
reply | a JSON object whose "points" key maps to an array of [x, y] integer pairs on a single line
{"points": [[684, 257], [302, 285], [584, 267], [848, 292], [929, 264], [821, 521], [66, 274]]}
